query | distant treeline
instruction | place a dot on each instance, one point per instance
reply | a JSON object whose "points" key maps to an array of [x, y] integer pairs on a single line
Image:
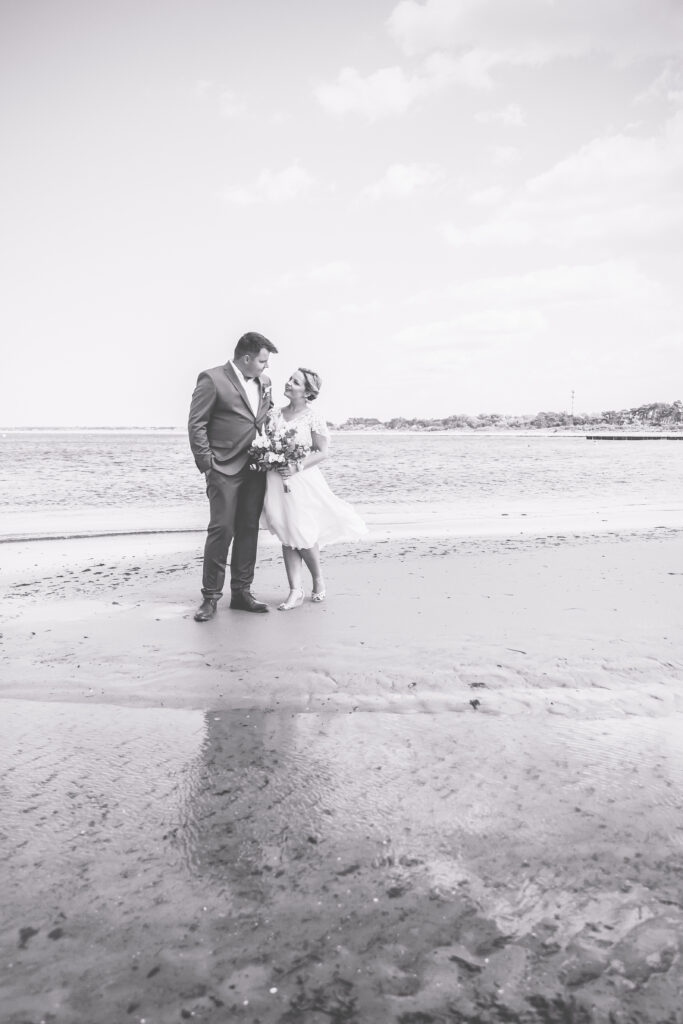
{"points": [[657, 416]]}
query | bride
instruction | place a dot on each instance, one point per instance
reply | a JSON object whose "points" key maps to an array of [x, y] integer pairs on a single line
{"points": [[307, 515]]}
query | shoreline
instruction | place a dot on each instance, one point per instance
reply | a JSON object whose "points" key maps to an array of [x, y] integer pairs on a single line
{"points": [[385, 521]]}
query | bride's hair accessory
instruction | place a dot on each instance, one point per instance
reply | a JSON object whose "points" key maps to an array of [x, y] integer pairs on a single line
{"points": [[312, 382]]}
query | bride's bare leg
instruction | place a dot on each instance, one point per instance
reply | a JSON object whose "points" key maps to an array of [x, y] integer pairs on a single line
{"points": [[311, 557], [292, 560]]}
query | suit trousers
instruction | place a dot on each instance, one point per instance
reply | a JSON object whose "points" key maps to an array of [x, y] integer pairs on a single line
{"points": [[235, 504]]}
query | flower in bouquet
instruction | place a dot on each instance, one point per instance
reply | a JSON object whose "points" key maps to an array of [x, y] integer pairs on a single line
{"points": [[265, 452], [274, 448], [294, 451]]}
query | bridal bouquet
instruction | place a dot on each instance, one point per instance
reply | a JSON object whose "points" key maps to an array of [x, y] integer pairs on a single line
{"points": [[274, 448]]}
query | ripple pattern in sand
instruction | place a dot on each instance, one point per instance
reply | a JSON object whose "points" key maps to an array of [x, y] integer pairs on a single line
{"points": [[335, 866], [75, 778]]}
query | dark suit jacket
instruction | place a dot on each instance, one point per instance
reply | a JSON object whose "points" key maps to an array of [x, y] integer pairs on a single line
{"points": [[221, 424]]}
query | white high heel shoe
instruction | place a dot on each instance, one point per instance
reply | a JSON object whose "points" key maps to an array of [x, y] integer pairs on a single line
{"points": [[294, 600], [318, 596]]}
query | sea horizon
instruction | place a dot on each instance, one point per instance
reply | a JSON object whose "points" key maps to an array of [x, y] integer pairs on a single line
{"points": [[491, 430], [653, 417]]}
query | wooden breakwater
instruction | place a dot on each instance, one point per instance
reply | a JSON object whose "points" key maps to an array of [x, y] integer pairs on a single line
{"points": [[634, 437]]}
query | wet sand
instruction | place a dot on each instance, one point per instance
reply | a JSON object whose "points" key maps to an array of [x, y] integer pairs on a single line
{"points": [[450, 793]]}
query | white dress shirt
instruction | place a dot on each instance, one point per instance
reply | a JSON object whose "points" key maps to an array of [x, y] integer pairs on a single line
{"points": [[251, 388]]}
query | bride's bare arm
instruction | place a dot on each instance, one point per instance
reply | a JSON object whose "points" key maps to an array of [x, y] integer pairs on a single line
{"points": [[318, 452]]}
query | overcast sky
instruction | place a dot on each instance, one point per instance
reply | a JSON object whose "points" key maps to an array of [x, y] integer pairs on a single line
{"points": [[442, 206]]}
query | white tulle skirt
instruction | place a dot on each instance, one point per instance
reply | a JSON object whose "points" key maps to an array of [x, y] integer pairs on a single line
{"points": [[309, 513]]}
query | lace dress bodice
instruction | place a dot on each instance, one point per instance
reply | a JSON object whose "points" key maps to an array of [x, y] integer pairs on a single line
{"points": [[308, 422]]}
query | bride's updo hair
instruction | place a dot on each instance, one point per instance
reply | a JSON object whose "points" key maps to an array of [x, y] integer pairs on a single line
{"points": [[312, 383]]}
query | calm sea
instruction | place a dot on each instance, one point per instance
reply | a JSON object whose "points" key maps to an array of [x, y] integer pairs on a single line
{"points": [[75, 484]]}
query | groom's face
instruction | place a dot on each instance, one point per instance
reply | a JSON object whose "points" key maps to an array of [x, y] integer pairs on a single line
{"points": [[256, 364]]}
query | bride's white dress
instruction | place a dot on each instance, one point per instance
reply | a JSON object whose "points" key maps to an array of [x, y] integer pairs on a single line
{"points": [[309, 513]]}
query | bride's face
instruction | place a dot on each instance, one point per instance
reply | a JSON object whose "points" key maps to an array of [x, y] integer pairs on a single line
{"points": [[295, 387]]}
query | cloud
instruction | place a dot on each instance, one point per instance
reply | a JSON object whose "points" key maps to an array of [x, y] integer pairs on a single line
{"points": [[474, 330], [534, 32], [392, 91], [486, 196], [668, 85], [564, 318], [511, 115], [503, 321], [626, 162], [334, 272], [503, 156], [555, 301], [281, 117], [401, 181], [387, 91], [231, 105], [331, 273], [608, 281], [503, 230], [331, 315], [467, 41], [614, 190], [272, 187]]}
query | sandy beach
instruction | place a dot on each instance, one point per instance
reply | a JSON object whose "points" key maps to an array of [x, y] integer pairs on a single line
{"points": [[451, 793]]}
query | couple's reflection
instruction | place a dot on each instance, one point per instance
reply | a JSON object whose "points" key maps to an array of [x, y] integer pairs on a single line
{"points": [[257, 795]]}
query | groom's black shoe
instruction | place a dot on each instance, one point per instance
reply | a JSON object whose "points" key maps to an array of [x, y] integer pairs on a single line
{"points": [[206, 610], [245, 601]]}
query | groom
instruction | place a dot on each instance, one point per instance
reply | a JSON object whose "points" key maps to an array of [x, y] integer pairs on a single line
{"points": [[229, 405]]}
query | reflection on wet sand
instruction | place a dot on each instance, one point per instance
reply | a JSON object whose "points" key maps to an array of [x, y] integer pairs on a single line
{"points": [[299, 868]]}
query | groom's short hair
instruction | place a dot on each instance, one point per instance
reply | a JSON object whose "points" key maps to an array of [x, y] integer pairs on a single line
{"points": [[252, 342]]}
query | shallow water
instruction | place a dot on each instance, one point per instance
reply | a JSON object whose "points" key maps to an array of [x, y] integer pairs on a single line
{"points": [[344, 867], [71, 484]]}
